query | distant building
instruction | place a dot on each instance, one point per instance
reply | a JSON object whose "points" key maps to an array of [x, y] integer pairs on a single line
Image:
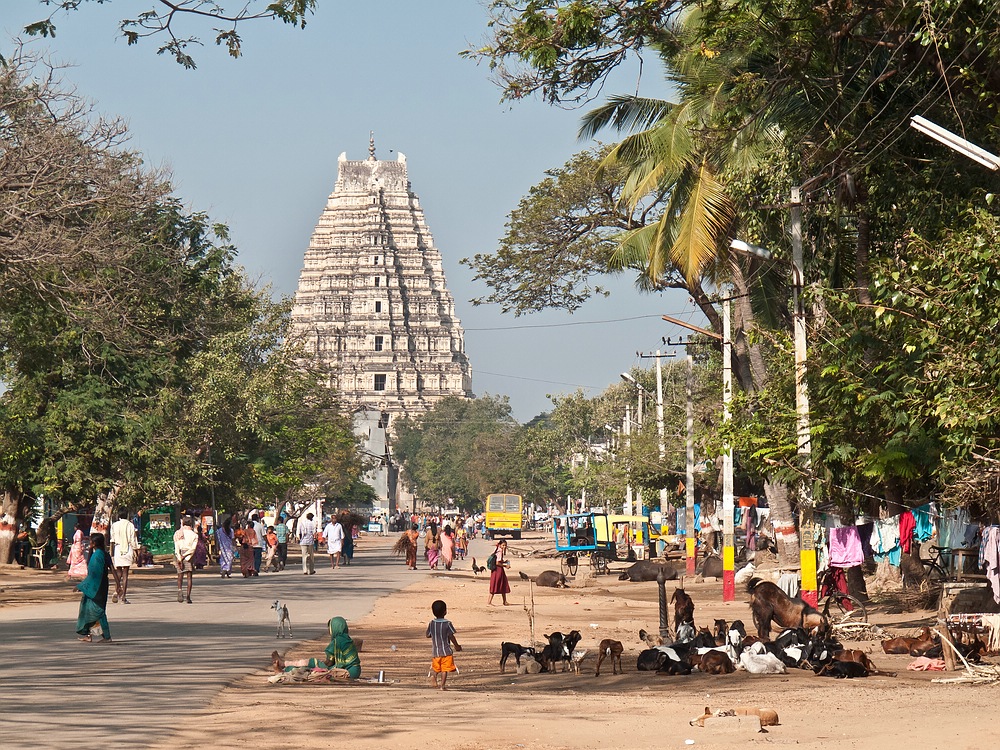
{"points": [[373, 306]]}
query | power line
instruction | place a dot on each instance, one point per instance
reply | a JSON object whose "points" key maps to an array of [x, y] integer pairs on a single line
{"points": [[563, 325], [537, 380]]}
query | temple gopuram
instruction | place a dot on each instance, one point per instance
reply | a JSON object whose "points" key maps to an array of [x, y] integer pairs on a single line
{"points": [[372, 303]]}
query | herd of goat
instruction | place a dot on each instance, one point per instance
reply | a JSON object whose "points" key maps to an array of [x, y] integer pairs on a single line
{"points": [[806, 642]]}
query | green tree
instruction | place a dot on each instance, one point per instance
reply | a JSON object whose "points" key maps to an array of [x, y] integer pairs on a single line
{"points": [[164, 18]]}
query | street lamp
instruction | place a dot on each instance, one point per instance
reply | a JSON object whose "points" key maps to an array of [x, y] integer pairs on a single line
{"points": [[955, 142]]}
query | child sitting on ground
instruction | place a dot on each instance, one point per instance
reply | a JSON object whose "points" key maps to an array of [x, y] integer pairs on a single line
{"points": [[442, 635], [145, 559]]}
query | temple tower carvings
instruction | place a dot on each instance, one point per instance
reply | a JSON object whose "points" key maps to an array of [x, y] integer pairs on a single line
{"points": [[372, 303]]}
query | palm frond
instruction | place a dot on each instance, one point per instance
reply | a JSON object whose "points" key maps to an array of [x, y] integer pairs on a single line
{"points": [[624, 113], [707, 215]]}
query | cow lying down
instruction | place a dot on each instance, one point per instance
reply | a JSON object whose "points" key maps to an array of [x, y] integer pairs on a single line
{"points": [[647, 570]]}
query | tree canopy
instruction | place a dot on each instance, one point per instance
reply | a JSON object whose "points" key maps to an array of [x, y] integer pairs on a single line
{"points": [[139, 362], [769, 97], [169, 21]]}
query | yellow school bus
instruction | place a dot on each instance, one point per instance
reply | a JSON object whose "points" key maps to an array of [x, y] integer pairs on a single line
{"points": [[503, 515]]}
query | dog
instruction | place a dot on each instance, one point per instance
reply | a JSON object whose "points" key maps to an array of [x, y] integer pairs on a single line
{"points": [[508, 649], [284, 621]]}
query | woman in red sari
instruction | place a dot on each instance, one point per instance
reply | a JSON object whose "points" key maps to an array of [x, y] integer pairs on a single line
{"points": [[498, 577]]}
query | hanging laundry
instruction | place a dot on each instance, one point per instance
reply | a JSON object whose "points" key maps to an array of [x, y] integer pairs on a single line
{"points": [[907, 523], [885, 540], [845, 547], [989, 558], [924, 529], [750, 528], [952, 528]]}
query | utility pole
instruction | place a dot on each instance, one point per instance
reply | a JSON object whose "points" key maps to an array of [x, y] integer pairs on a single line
{"points": [[807, 554], [661, 444], [728, 552], [689, 476], [627, 431]]}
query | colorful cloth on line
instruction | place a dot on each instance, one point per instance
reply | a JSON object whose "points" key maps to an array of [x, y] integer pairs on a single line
{"points": [[989, 558], [924, 528], [885, 540], [907, 523], [845, 547]]}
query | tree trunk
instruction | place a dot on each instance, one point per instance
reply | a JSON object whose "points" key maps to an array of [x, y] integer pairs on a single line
{"points": [[102, 512], [11, 514], [742, 370], [786, 536], [862, 276], [749, 358]]}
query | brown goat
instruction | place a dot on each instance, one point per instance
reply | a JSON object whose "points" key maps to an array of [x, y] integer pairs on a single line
{"points": [[905, 645], [683, 608], [716, 662], [613, 649], [768, 602]]}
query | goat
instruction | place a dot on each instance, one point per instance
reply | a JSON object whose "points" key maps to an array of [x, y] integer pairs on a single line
{"points": [[716, 662], [284, 621], [860, 657], [611, 648], [904, 645], [576, 658], [768, 602], [841, 670], [649, 639], [516, 650], [721, 633], [683, 608], [553, 652]]}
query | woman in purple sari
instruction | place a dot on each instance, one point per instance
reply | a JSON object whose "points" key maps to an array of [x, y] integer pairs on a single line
{"points": [[226, 540]]}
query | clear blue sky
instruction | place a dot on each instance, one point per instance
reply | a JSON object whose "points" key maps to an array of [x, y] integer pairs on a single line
{"points": [[255, 142]]}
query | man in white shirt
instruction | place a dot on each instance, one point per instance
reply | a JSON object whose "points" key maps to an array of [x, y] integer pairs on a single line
{"points": [[185, 542], [307, 543], [334, 533], [124, 545]]}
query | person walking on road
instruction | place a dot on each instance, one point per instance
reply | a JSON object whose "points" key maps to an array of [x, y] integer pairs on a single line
{"points": [[334, 535], [77, 561], [307, 544], [185, 542], [124, 546], [225, 539], [258, 547], [498, 576], [94, 604], [281, 531]]}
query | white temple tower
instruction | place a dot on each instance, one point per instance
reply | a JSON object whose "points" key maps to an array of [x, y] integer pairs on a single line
{"points": [[372, 302]]}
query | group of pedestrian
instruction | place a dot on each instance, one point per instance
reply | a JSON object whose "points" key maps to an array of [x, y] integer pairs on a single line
{"points": [[260, 548]]}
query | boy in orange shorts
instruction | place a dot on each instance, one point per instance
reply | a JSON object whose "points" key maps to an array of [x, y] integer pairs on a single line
{"points": [[442, 635]]}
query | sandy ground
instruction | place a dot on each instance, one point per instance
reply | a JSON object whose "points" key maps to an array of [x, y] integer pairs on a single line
{"points": [[484, 709]]}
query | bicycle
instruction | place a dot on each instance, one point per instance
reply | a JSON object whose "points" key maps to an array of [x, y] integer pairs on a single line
{"points": [[839, 607], [935, 568]]}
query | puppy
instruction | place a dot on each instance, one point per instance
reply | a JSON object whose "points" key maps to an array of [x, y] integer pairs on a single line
{"points": [[284, 621]]}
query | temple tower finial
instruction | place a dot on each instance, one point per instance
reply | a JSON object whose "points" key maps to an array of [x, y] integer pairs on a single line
{"points": [[371, 145]]}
